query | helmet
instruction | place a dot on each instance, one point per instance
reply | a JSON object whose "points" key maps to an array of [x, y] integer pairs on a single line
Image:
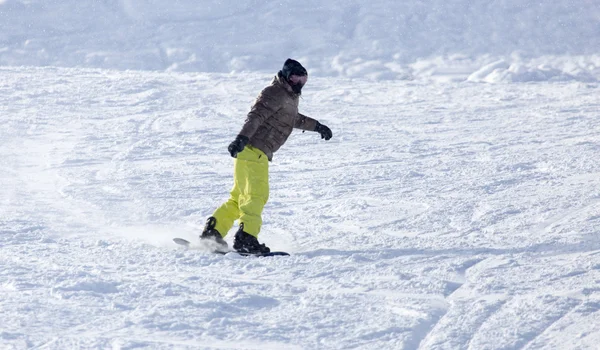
{"points": [[294, 74]]}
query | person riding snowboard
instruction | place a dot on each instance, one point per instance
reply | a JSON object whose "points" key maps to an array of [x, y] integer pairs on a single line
{"points": [[268, 125]]}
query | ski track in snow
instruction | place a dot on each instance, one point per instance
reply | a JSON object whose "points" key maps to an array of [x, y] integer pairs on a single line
{"points": [[440, 216]]}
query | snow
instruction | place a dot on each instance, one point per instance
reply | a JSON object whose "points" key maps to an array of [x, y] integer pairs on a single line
{"points": [[379, 40], [456, 207]]}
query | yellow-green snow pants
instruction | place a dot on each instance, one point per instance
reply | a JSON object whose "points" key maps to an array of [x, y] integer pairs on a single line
{"points": [[249, 194]]}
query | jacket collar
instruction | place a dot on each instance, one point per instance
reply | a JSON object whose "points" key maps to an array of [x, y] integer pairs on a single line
{"points": [[280, 80]]}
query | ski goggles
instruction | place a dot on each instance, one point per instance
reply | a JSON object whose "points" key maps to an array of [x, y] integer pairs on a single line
{"points": [[298, 79]]}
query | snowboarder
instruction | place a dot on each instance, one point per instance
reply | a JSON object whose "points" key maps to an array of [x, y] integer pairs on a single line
{"points": [[269, 123]]}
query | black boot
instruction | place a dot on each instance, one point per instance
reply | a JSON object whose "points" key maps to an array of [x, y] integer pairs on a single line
{"points": [[246, 243], [210, 233]]}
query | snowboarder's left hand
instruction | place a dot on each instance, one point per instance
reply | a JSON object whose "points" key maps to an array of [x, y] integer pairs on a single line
{"points": [[324, 131]]}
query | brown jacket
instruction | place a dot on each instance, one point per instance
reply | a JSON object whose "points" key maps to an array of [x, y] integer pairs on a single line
{"points": [[273, 116]]}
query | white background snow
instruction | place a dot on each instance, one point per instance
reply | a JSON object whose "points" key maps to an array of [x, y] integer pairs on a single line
{"points": [[456, 207]]}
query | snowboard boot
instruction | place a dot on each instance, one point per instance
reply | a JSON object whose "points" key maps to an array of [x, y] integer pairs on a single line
{"points": [[209, 233], [246, 243]]}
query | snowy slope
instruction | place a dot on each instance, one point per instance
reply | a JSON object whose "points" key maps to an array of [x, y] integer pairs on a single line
{"points": [[441, 216], [380, 39], [446, 212]]}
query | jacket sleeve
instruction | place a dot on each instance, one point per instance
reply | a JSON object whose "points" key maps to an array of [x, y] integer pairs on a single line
{"points": [[264, 107], [305, 123]]}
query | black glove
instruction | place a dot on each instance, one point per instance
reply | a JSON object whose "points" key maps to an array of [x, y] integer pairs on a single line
{"points": [[324, 131], [238, 145]]}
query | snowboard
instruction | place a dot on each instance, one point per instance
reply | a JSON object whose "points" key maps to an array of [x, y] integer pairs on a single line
{"points": [[188, 244]]}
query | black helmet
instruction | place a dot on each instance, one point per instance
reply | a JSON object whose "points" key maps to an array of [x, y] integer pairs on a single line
{"points": [[293, 67]]}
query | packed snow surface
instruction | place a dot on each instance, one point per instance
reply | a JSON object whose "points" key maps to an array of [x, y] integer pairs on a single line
{"points": [[453, 215], [457, 205]]}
